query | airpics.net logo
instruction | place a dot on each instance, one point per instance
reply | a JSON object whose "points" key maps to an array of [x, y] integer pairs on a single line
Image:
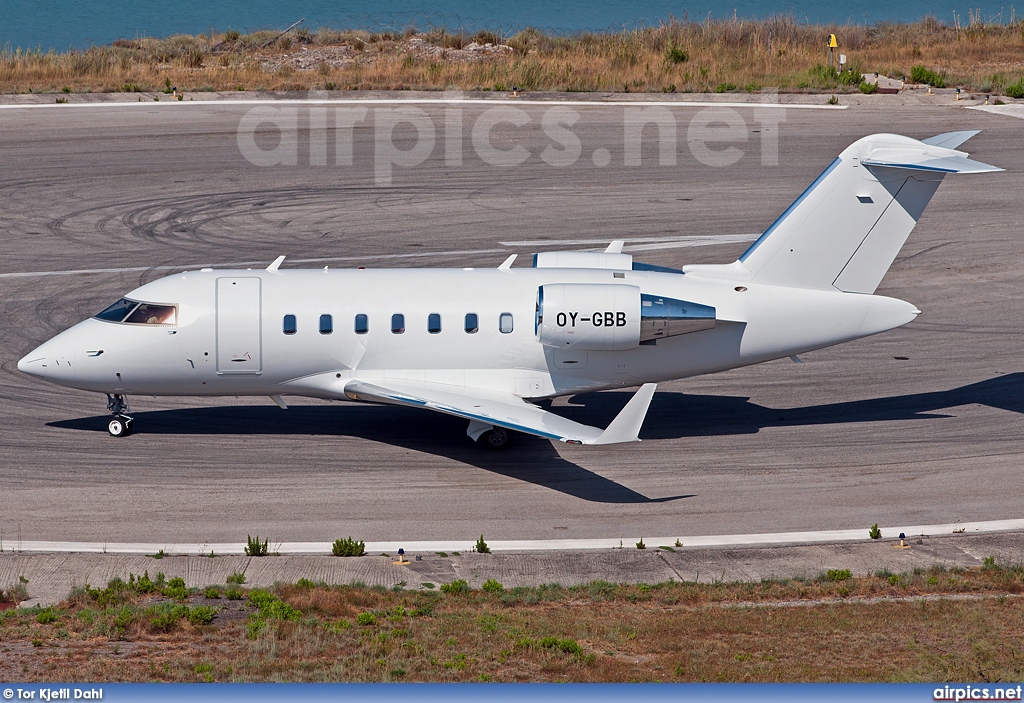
{"points": [[978, 693], [386, 139]]}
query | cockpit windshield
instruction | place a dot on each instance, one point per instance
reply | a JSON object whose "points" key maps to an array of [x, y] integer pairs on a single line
{"points": [[135, 313]]}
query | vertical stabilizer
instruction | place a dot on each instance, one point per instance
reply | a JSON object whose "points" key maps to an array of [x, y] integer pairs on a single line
{"points": [[846, 229]]}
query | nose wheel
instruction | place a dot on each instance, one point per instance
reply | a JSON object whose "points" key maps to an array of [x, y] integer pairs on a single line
{"points": [[121, 424]]}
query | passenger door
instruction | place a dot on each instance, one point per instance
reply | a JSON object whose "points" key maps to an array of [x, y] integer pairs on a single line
{"points": [[239, 303]]}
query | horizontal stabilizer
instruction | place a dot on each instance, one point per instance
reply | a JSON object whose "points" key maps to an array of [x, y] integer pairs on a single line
{"points": [[951, 140], [485, 407], [942, 164]]}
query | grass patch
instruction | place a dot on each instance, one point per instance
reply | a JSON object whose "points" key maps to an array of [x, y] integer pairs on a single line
{"points": [[676, 56], [130, 631]]}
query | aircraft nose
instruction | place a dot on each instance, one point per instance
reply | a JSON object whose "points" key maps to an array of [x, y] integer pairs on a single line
{"points": [[34, 363]]}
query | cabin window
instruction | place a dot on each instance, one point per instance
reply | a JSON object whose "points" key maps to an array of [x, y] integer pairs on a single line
{"points": [[434, 323], [290, 326], [362, 324], [505, 323], [472, 323], [326, 324], [397, 323]]}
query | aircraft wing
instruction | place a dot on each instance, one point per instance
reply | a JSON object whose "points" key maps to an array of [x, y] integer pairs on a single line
{"points": [[485, 408]]}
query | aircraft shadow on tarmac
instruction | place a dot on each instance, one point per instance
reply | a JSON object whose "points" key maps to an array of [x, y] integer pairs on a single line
{"points": [[534, 460], [531, 459], [678, 415]]}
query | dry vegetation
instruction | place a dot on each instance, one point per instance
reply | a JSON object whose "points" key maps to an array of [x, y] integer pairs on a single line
{"points": [[930, 625], [675, 57]]}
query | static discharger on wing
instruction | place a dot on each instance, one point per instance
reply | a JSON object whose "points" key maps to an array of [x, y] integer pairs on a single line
{"points": [[483, 344]]}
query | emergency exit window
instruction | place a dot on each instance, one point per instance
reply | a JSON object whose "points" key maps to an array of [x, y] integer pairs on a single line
{"points": [[505, 323]]}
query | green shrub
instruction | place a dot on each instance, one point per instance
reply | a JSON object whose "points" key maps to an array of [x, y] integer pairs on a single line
{"points": [[348, 547], [725, 87], [640, 544], [988, 563], [834, 100], [481, 546], [920, 74], [201, 615], [234, 594], [838, 575], [125, 617], [366, 619], [566, 645], [868, 88], [492, 586], [675, 54], [164, 617], [236, 578], [874, 532], [1015, 90], [255, 548], [272, 607], [177, 589], [456, 586], [211, 592], [305, 583], [47, 616], [849, 77]]}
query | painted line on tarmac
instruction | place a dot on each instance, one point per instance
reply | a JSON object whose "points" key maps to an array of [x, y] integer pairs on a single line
{"points": [[1007, 110], [261, 264], [639, 244], [424, 101], [688, 240], [413, 547]]}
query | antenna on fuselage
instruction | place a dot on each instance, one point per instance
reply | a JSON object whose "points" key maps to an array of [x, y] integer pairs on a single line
{"points": [[276, 264]]}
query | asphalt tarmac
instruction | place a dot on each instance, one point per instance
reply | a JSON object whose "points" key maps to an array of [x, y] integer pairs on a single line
{"points": [[916, 426]]}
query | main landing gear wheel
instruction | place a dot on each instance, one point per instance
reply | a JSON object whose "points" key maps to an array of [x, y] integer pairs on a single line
{"points": [[497, 439], [119, 426]]}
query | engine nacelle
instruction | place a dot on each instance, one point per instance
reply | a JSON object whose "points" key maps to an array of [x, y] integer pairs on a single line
{"points": [[588, 316], [613, 317]]}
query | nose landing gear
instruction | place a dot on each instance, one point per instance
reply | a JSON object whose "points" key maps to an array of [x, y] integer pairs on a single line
{"points": [[121, 424]]}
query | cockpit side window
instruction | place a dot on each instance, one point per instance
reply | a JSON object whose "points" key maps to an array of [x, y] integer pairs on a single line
{"points": [[135, 313], [150, 314], [118, 311]]}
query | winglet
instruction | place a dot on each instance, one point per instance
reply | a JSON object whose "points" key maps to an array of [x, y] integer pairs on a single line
{"points": [[276, 263], [626, 425], [615, 247], [507, 263]]}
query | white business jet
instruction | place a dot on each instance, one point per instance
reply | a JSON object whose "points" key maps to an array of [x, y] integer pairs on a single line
{"points": [[482, 344]]}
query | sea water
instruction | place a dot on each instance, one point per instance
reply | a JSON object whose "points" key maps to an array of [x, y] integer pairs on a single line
{"points": [[63, 24]]}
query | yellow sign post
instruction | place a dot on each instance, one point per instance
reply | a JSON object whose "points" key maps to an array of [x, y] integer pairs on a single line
{"points": [[832, 46]]}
